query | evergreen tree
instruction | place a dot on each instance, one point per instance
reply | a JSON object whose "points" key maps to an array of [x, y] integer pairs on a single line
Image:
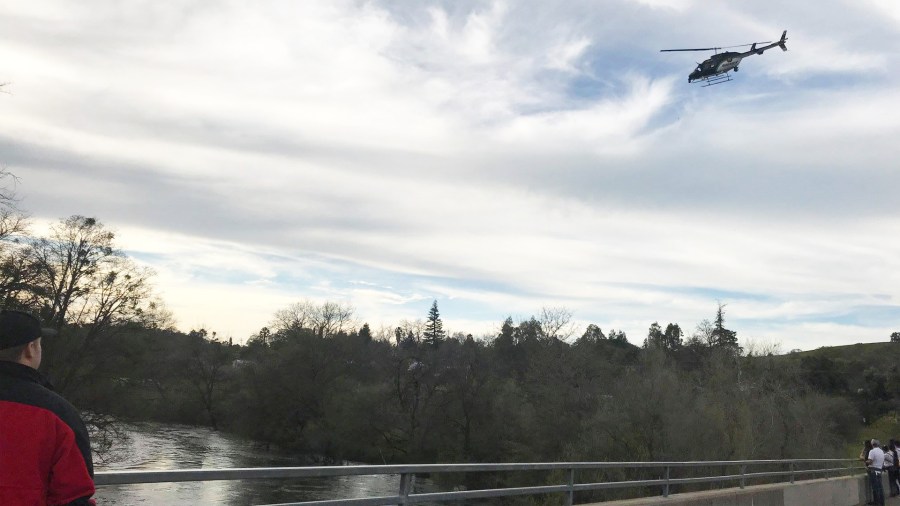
{"points": [[506, 339], [672, 337], [618, 336], [670, 340], [434, 327], [592, 334], [654, 336], [365, 333], [721, 335]]}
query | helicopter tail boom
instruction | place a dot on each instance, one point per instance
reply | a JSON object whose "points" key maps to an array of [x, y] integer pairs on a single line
{"points": [[762, 49]]}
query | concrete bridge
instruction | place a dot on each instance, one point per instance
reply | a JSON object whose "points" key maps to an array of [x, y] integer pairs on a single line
{"points": [[798, 482]]}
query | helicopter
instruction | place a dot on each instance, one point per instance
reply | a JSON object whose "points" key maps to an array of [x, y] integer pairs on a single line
{"points": [[714, 70]]}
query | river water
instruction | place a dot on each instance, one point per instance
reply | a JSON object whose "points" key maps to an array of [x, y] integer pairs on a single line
{"points": [[164, 447]]}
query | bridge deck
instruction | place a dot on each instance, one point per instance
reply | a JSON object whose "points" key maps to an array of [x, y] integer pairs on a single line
{"points": [[823, 492]]}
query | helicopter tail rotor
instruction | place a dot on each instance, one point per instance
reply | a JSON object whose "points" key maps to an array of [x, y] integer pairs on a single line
{"points": [[781, 43]]}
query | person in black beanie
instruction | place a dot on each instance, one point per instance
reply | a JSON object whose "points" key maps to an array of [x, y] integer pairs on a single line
{"points": [[46, 457]]}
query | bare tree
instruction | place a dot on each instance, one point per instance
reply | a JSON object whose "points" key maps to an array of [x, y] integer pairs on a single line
{"points": [[16, 272], [762, 347], [414, 328], [12, 220], [298, 315], [332, 318], [78, 248], [325, 320], [704, 333], [556, 322]]}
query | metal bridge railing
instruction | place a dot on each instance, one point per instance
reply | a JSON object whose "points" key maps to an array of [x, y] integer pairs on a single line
{"points": [[792, 470]]}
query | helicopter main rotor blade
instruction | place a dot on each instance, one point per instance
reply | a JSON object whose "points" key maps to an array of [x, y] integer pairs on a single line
{"points": [[696, 49], [714, 48], [743, 45]]}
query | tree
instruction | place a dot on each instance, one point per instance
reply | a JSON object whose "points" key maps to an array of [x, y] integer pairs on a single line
{"points": [[12, 220], [721, 336], [654, 336], [365, 333], [434, 327], [506, 339], [296, 316], [262, 338], [88, 290], [18, 277], [325, 320], [895, 337], [556, 323], [670, 340], [204, 368], [703, 334], [617, 336], [78, 248], [592, 334], [672, 337], [333, 318], [410, 331], [529, 332]]}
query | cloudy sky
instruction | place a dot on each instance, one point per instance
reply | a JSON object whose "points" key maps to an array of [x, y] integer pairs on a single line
{"points": [[496, 156]]}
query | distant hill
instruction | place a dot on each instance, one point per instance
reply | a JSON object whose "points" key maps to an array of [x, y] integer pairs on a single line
{"points": [[867, 373]]}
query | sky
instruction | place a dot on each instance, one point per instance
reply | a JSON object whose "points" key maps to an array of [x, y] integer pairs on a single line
{"points": [[498, 157]]}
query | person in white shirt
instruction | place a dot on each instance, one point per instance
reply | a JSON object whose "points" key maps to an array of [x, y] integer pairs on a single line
{"points": [[888, 459], [875, 464]]}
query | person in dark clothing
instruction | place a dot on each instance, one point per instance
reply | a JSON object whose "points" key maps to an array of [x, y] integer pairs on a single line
{"points": [[867, 447], [46, 451], [888, 466], [893, 474]]}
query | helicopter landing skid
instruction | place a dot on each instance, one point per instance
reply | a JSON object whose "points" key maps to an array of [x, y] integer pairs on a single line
{"points": [[719, 79]]}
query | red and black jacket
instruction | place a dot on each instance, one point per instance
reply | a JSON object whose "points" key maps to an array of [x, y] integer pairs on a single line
{"points": [[45, 453]]}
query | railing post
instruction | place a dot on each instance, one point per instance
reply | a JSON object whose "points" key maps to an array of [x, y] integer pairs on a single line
{"points": [[570, 497], [406, 485], [666, 488], [743, 472], [792, 472]]}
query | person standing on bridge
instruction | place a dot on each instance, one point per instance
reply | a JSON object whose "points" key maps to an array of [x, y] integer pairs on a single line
{"points": [[864, 456], [893, 474], [875, 463], [889, 466], [46, 451]]}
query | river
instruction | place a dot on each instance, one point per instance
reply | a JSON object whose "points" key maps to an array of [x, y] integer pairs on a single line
{"points": [[154, 446]]}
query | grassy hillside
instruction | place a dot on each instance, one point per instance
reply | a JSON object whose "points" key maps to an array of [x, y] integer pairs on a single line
{"points": [[868, 374]]}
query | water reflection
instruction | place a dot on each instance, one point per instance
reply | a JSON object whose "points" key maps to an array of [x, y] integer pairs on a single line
{"points": [[163, 447]]}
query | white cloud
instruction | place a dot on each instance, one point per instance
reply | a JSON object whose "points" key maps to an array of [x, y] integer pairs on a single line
{"points": [[885, 7], [565, 55], [678, 5], [507, 156]]}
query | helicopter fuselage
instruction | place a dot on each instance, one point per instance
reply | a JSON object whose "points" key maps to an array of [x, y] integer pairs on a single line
{"points": [[715, 65]]}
